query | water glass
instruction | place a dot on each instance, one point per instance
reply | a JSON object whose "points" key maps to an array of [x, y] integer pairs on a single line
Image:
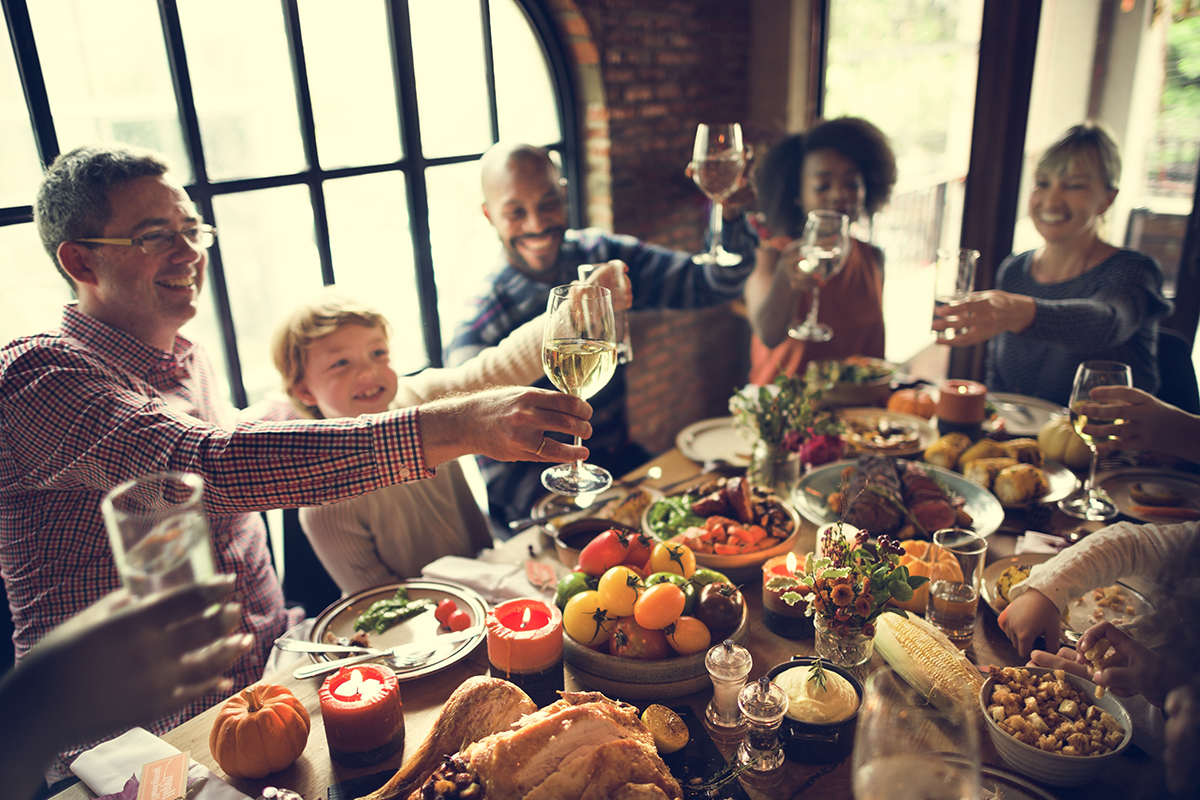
{"points": [[158, 531], [952, 602], [953, 281]]}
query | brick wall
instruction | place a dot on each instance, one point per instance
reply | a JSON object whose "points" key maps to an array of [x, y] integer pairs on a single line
{"points": [[647, 72]]}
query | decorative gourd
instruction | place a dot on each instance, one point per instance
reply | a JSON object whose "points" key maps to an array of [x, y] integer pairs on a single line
{"points": [[261, 730], [913, 401], [944, 568], [1058, 441]]}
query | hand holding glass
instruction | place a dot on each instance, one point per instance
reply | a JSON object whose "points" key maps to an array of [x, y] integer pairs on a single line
{"points": [[823, 252], [579, 354], [717, 161], [954, 279], [1091, 502], [159, 532]]}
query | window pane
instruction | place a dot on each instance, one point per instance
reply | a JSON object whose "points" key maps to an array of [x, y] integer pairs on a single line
{"points": [[373, 257], [350, 77], [465, 247], [271, 265], [447, 42], [524, 92], [18, 157], [242, 81], [205, 330], [34, 292], [910, 68], [107, 76]]}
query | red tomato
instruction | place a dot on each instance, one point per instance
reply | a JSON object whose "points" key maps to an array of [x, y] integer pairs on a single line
{"points": [[639, 549], [444, 609], [605, 551], [458, 621], [636, 569], [630, 640], [687, 636], [659, 606]]}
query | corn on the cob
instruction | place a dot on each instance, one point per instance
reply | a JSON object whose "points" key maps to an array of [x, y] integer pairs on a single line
{"points": [[928, 660]]}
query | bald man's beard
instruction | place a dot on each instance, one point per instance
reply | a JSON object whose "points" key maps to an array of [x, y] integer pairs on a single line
{"points": [[546, 274]]}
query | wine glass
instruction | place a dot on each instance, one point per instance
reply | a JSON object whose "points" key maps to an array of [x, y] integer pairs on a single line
{"points": [[717, 161], [579, 354], [823, 252], [1091, 502], [906, 748]]}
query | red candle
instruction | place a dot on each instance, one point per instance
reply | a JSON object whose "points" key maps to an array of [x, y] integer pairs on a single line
{"points": [[363, 715], [780, 618], [525, 646], [962, 402]]}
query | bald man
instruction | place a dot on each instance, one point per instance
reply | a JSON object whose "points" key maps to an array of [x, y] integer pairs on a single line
{"points": [[525, 201]]}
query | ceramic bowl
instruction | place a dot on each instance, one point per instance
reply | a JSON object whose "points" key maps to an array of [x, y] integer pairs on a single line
{"points": [[818, 743], [867, 393], [1055, 769]]}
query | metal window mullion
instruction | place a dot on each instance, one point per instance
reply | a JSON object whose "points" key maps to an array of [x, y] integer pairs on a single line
{"points": [[33, 84], [489, 67], [404, 76]]}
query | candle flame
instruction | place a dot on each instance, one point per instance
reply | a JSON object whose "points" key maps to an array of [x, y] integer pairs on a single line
{"points": [[791, 562], [525, 619]]}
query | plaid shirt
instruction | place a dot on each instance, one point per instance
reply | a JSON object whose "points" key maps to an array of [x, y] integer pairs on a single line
{"points": [[660, 278], [88, 406]]}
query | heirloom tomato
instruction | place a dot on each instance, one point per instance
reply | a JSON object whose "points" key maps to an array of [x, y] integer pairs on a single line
{"points": [[719, 607], [586, 620], [704, 576], [677, 558], [639, 549], [619, 588], [605, 551], [630, 640], [659, 606], [689, 589], [687, 636], [571, 585]]}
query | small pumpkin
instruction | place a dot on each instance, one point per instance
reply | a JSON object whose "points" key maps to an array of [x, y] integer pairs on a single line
{"points": [[261, 730], [1058, 441], [913, 401], [943, 568]]}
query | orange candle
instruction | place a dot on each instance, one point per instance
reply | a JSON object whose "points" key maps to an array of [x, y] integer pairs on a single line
{"points": [[363, 715], [525, 646], [962, 402], [780, 618]]}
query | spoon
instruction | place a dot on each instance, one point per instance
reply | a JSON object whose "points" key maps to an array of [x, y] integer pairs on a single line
{"points": [[584, 501]]}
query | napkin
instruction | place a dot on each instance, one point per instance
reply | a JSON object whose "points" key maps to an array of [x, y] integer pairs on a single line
{"points": [[495, 582], [108, 766], [1037, 542]]}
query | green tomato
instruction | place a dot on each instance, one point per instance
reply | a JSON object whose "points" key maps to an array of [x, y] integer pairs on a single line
{"points": [[571, 585], [689, 588], [704, 576]]}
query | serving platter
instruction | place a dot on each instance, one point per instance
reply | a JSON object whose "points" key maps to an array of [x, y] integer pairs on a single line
{"points": [[338, 621], [1081, 612], [811, 493], [1024, 415], [857, 419], [1118, 483], [589, 506], [1063, 483], [712, 440]]}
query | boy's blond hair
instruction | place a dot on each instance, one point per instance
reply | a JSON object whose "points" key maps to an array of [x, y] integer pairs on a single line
{"points": [[309, 323]]}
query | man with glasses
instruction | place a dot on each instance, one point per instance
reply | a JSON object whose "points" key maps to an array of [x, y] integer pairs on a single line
{"points": [[116, 393], [525, 202]]}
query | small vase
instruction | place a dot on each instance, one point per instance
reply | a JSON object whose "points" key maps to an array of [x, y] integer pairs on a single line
{"points": [[772, 467], [851, 650]]}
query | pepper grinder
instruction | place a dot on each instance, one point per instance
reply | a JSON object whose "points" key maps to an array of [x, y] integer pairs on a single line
{"points": [[763, 704], [728, 665]]}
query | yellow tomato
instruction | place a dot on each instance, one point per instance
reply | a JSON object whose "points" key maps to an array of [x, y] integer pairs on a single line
{"points": [[586, 620], [677, 558], [619, 588], [688, 635]]}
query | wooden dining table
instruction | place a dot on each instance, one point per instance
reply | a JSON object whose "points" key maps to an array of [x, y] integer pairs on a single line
{"points": [[1134, 773]]}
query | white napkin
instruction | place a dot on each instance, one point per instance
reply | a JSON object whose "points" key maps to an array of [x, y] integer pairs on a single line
{"points": [[1037, 542], [107, 767], [496, 582]]}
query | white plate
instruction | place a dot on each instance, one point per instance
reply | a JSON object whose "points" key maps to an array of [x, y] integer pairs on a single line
{"points": [[1063, 482], [1008, 408], [1117, 484], [339, 618], [712, 439]]}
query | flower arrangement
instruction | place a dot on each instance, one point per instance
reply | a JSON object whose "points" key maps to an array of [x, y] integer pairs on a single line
{"points": [[774, 412]]}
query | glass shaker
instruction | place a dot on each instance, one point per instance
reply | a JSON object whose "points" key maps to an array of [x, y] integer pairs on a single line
{"points": [[728, 665], [763, 704]]}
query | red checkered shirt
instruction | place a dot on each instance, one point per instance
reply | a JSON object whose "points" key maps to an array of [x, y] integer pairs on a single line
{"points": [[87, 407]]}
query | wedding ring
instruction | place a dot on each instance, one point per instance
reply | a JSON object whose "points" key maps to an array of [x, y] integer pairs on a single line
{"points": [[538, 452]]}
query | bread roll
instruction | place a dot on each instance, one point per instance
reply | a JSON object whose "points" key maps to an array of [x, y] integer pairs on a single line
{"points": [[946, 450], [984, 448], [1024, 450], [984, 470], [1019, 484]]}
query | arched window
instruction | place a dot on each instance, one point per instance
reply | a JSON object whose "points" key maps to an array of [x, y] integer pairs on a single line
{"points": [[328, 142]]}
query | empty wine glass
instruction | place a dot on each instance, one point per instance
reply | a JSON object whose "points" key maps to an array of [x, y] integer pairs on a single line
{"points": [[1091, 502], [717, 161], [579, 354], [823, 252], [906, 748]]}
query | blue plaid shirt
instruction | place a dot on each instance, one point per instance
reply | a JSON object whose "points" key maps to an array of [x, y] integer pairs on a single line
{"points": [[660, 278]]}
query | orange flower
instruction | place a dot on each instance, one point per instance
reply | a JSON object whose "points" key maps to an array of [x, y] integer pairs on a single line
{"points": [[842, 595], [862, 605]]}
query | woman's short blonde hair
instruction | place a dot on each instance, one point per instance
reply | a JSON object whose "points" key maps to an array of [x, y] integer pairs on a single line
{"points": [[309, 323], [1092, 141]]}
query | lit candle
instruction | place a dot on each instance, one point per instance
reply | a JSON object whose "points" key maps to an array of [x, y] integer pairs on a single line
{"points": [[779, 617], [961, 407], [525, 646], [363, 715]]}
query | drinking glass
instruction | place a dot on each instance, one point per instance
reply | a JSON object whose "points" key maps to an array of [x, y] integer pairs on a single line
{"points": [[1091, 502], [158, 531], [951, 604], [718, 158], [823, 252], [953, 281], [905, 748], [579, 354]]}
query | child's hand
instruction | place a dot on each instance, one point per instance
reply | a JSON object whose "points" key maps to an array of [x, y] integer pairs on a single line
{"points": [[1065, 660], [1129, 669], [1029, 616]]}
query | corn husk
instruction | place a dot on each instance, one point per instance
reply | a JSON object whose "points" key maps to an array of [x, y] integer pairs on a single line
{"points": [[928, 661]]}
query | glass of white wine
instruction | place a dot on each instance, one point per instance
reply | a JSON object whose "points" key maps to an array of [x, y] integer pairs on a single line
{"points": [[579, 354], [718, 158], [823, 252], [1091, 502]]}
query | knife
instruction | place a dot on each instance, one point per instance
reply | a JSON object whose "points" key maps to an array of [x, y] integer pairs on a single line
{"points": [[399, 651]]}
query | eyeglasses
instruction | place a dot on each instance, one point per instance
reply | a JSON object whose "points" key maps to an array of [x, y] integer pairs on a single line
{"points": [[157, 242]]}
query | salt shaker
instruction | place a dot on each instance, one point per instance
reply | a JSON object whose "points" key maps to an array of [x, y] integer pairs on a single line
{"points": [[763, 704], [728, 665]]}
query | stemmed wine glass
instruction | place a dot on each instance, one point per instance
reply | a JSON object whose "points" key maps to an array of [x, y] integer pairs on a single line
{"points": [[906, 748], [717, 161], [823, 252], [579, 354], [1091, 502]]}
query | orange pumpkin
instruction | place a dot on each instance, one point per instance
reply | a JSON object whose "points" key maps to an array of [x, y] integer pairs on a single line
{"points": [[944, 568], [261, 730], [913, 401]]}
